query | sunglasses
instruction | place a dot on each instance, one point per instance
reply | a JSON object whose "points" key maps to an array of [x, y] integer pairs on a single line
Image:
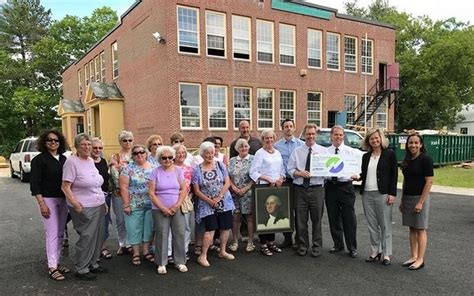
{"points": [[99, 148], [167, 158], [139, 152], [52, 140], [156, 144], [127, 140]]}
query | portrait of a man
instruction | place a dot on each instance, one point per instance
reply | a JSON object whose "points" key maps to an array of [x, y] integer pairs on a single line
{"points": [[272, 209]]}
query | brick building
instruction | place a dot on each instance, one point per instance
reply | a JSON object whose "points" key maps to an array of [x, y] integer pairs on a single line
{"points": [[200, 67]]}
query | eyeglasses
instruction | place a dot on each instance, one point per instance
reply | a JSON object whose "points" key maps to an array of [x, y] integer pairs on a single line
{"points": [[178, 141], [138, 152], [156, 144], [127, 140], [99, 148], [52, 140], [167, 158]]}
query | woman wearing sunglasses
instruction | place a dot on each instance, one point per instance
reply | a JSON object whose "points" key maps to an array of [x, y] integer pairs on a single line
{"points": [[152, 144], [137, 203], [167, 189], [45, 184]]}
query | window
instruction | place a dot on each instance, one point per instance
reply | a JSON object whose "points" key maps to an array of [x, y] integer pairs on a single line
{"points": [[314, 48], [242, 105], [381, 115], [264, 41], [287, 44], [86, 75], [102, 67], [314, 108], [241, 37], [349, 107], [79, 83], [115, 70], [215, 34], [362, 108], [463, 130], [332, 51], [190, 105], [216, 101], [287, 104], [264, 108], [366, 56], [91, 71], [97, 69], [188, 27], [350, 55]]}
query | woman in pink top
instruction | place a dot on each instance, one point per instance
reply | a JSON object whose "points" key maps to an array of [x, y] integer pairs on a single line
{"points": [[82, 187], [167, 190]]}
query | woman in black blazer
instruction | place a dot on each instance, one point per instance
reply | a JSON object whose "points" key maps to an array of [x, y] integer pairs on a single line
{"points": [[379, 188]]}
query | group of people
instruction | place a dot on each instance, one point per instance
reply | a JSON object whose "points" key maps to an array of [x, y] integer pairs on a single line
{"points": [[164, 198]]}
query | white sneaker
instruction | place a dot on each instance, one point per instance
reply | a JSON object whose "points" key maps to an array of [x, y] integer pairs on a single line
{"points": [[161, 269], [181, 268]]}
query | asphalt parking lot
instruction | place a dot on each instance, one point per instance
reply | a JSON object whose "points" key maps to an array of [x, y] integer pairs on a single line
{"points": [[448, 271]]}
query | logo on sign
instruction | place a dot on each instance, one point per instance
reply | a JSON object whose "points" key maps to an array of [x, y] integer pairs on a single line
{"points": [[335, 164]]}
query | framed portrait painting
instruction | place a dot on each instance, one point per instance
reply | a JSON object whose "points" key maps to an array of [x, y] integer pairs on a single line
{"points": [[272, 208]]}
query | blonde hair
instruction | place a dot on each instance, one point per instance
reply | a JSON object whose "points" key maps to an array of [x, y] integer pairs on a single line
{"points": [[152, 139], [370, 132], [266, 132]]}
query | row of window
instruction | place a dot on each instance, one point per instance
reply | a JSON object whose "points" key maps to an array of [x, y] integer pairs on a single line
{"points": [[190, 106], [216, 40], [94, 70]]}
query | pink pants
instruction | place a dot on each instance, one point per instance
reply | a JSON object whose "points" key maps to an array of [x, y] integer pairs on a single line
{"points": [[54, 228]]}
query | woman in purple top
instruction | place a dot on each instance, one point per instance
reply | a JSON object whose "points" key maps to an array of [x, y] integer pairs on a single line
{"points": [[82, 187], [167, 190]]}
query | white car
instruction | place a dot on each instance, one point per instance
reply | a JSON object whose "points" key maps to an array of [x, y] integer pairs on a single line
{"points": [[20, 159]]}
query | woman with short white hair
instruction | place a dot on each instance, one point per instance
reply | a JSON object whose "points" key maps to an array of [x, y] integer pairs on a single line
{"points": [[214, 207]]}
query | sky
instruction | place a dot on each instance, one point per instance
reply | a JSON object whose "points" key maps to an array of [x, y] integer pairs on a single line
{"points": [[463, 10]]}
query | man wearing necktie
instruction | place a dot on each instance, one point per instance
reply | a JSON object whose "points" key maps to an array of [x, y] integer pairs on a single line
{"points": [[309, 192], [340, 198], [286, 146]]}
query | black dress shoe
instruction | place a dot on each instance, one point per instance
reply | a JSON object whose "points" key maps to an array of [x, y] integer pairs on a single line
{"points": [[86, 276], [411, 267], [99, 269], [335, 250], [407, 263], [353, 254]]}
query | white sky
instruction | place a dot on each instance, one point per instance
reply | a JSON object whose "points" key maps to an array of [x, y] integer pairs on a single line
{"points": [[462, 10]]}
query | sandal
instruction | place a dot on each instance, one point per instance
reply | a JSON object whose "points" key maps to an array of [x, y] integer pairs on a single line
{"points": [[234, 247], [197, 250], [124, 250], [250, 247], [214, 248], [265, 250], [105, 254], [149, 257], [136, 260], [56, 275], [63, 269], [274, 248]]}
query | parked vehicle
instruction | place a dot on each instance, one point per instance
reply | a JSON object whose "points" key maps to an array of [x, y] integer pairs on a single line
{"points": [[351, 138], [20, 158]]}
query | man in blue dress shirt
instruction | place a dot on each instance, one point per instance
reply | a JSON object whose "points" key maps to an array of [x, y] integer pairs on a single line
{"points": [[285, 146]]}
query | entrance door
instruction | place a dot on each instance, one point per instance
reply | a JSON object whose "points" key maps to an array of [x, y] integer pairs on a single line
{"points": [[332, 118]]}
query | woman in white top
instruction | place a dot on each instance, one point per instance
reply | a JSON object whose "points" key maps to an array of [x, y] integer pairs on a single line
{"points": [[267, 168]]}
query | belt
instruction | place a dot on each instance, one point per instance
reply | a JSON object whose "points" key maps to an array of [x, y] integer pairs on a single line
{"points": [[310, 186]]}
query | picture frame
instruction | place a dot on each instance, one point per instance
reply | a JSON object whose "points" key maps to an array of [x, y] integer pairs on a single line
{"points": [[280, 219]]}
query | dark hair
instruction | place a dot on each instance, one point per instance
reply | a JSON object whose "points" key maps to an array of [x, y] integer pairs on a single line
{"points": [[41, 143], [219, 138], [286, 120], [408, 155], [210, 139]]}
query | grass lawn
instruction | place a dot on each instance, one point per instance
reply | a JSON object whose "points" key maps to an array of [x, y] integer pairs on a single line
{"points": [[449, 176]]}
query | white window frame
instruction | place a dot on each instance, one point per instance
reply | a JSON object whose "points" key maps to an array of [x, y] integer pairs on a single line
{"points": [[350, 54], [350, 109], [212, 30], [259, 119], [249, 109], [365, 59], [211, 108], [284, 44], [181, 117], [102, 67], [362, 109], [314, 51], [265, 41], [86, 75], [91, 71], [115, 69], [79, 82], [382, 110], [286, 110], [333, 50], [314, 111], [97, 68], [240, 34], [195, 32]]}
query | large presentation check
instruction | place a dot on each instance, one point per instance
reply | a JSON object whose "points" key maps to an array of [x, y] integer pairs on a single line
{"points": [[333, 165]]}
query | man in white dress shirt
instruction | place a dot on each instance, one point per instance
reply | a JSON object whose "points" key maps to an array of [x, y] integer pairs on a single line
{"points": [[340, 199], [309, 192]]}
